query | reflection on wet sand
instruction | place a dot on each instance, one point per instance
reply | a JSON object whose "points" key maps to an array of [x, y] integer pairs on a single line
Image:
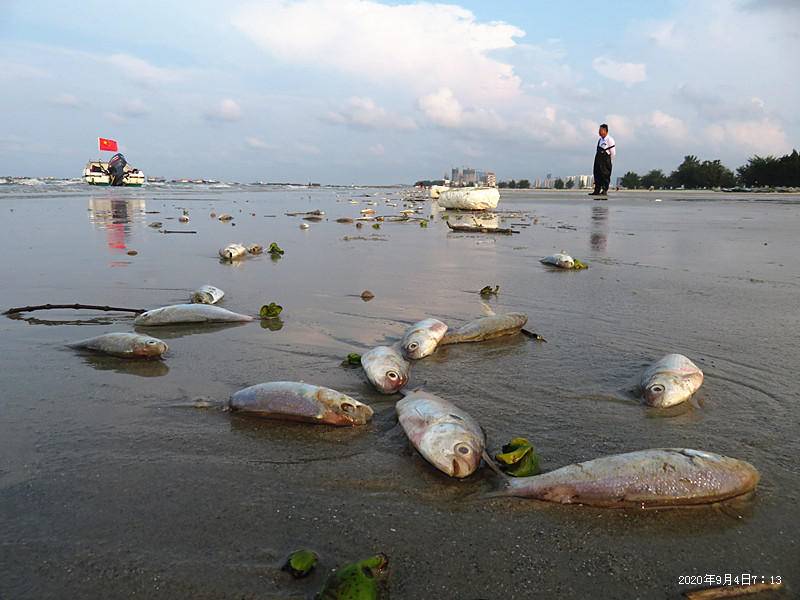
{"points": [[179, 331], [598, 240], [140, 368], [115, 216]]}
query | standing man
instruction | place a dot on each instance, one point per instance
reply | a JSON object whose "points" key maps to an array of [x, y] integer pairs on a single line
{"points": [[604, 154]]}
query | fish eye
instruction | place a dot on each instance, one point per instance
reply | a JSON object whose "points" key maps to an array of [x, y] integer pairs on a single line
{"points": [[413, 346], [151, 342], [656, 388], [347, 407], [463, 449], [392, 375]]}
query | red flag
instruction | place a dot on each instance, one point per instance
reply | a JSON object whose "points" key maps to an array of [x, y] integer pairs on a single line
{"points": [[110, 145]]}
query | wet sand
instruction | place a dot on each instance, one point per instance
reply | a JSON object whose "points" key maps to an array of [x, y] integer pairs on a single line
{"points": [[110, 486]]}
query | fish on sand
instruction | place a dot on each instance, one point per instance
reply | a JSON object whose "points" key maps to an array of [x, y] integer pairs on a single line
{"points": [[422, 337], [207, 294], [232, 252], [486, 328], [386, 368], [560, 260], [178, 314], [670, 381], [661, 477], [124, 345], [446, 436], [293, 401]]}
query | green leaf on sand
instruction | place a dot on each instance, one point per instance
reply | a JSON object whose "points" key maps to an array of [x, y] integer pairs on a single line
{"points": [[518, 458], [357, 581], [376, 225], [579, 264], [275, 250], [353, 359], [270, 311], [423, 224], [488, 291], [300, 563]]}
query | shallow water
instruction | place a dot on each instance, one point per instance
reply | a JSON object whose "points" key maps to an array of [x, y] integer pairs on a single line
{"points": [[110, 485]]}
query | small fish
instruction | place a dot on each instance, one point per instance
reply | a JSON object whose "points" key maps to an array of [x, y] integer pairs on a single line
{"points": [[486, 328], [670, 381], [643, 479], [207, 294], [255, 249], [560, 260], [224, 217], [183, 219], [124, 345], [232, 252], [421, 338], [292, 401], [446, 436], [178, 314], [386, 368]]}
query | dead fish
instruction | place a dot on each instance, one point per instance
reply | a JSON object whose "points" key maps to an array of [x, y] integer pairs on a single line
{"points": [[386, 368], [188, 313], [224, 217], [293, 401], [255, 249], [645, 479], [446, 436], [670, 381], [232, 252], [560, 260], [486, 328], [183, 219], [207, 294], [344, 220], [367, 211], [124, 345], [155, 224], [422, 337]]}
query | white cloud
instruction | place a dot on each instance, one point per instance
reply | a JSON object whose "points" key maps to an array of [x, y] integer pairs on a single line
{"points": [[304, 148], [664, 33], [134, 108], [442, 108], [258, 144], [364, 113], [66, 100], [761, 137], [668, 127], [227, 110], [417, 45], [143, 72], [377, 150], [627, 73]]}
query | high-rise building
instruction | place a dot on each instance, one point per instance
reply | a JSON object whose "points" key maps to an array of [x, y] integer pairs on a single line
{"points": [[491, 179]]}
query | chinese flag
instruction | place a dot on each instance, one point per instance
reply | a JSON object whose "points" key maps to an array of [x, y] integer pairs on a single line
{"points": [[110, 145]]}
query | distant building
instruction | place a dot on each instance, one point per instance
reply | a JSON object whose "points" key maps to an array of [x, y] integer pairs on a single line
{"points": [[491, 179]]}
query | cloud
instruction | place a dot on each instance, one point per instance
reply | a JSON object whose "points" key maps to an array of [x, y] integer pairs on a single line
{"points": [[442, 108], [668, 127], [134, 108], [761, 137], [664, 34], [364, 113], [142, 72], [627, 73], [227, 110], [66, 100], [304, 148], [417, 45], [258, 144], [377, 150]]}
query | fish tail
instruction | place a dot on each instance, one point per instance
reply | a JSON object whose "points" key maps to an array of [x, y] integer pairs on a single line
{"points": [[488, 310]]}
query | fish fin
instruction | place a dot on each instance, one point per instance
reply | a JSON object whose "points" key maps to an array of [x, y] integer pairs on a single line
{"points": [[405, 391], [493, 466], [487, 310]]}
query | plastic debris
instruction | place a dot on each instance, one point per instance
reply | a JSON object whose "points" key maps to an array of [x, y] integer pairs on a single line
{"points": [[518, 458]]}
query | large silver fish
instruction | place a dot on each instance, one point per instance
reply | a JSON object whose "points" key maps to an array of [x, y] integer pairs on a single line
{"points": [[289, 400], [422, 337], [446, 436], [644, 479], [188, 313], [207, 294], [560, 260], [232, 252], [670, 381], [124, 345], [486, 328], [386, 368]]}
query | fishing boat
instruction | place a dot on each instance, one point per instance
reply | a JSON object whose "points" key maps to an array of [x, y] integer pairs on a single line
{"points": [[470, 198], [115, 172]]}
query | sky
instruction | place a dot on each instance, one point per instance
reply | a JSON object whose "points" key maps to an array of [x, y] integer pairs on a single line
{"points": [[363, 91]]}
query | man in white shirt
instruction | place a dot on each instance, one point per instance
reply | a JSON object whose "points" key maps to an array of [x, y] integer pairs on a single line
{"points": [[604, 154]]}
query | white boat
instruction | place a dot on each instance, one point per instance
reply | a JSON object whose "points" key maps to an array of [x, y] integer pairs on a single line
{"points": [[471, 198], [96, 173]]}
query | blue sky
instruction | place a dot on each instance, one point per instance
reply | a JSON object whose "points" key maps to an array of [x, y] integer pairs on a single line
{"points": [[347, 91]]}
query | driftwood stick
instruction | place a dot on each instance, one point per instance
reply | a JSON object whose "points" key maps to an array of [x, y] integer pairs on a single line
{"points": [[480, 229], [22, 309], [176, 231]]}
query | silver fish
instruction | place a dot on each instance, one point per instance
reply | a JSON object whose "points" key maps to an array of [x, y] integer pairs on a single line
{"points": [[207, 294], [421, 338], [232, 252], [486, 328], [124, 345], [670, 381], [560, 260], [644, 479], [188, 313], [386, 368], [289, 400], [446, 436]]}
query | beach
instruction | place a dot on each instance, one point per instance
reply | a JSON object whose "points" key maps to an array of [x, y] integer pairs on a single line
{"points": [[113, 484]]}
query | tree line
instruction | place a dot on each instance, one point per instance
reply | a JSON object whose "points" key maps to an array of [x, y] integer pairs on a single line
{"points": [[759, 171]]}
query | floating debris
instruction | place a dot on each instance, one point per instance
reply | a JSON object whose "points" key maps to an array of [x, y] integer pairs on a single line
{"points": [[366, 295], [232, 252], [207, 294], [132, 253], [518, 458], [275, 250], [487, 291], [304, 225], [255, 249]]}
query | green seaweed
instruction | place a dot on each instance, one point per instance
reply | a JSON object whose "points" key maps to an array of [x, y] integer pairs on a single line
{"points": [[357, 581], [352, 360], [275, 250], [423, 224], [270, 311], [376, 225], [578, 265], [518, 458], [487, 291], [300, 563]]}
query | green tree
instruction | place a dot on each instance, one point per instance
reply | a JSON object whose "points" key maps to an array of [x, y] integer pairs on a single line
{"points": [[502, 184], [512, 184], [654, 179], [630, 180], [559, 185], [569, 184], [771, 171], [688, 173], [523, 184]]}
